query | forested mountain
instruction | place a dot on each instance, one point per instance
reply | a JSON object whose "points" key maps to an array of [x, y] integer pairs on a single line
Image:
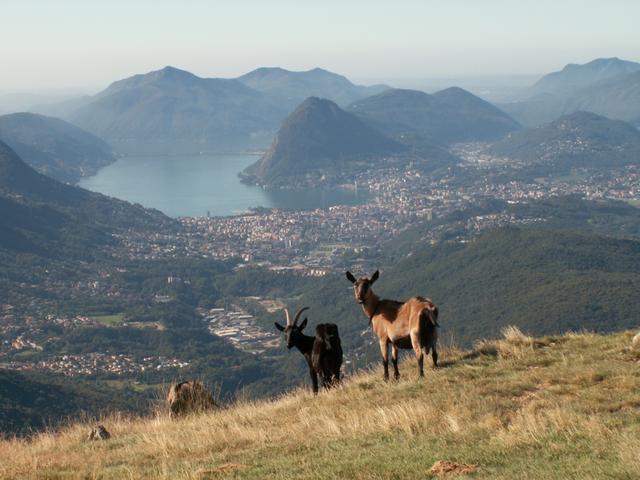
{"points": [[320, 138], [55, 147], [448, 116], [44, 216], [581, 139], [609, 87], [173, 110], [618, 98], [574, 76], [542, 280]]}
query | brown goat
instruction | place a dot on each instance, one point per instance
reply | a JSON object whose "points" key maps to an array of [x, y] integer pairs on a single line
{"points": [[409, 324], [188, 397]]}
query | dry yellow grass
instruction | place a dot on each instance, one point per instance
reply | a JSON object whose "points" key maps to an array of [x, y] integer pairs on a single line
{"points": [[557, 407]]}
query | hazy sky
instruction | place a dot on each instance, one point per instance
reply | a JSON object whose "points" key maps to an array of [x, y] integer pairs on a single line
{"points": [[89, 43]]}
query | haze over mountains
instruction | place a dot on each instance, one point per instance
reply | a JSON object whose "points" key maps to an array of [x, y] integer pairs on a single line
{"points": [[578, 140], [607, 86], [574, 76], [448, 116], [294, 87], [54, 147], [172, 110]]}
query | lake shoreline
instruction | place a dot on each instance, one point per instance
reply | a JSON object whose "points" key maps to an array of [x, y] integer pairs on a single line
{"points": [[203, 185]]}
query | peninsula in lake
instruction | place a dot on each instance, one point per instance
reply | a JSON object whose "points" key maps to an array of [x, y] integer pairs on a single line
{"points": [[320, 140]]}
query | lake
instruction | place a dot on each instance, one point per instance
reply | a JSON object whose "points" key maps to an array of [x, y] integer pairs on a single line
{"points": [[194, 185]]}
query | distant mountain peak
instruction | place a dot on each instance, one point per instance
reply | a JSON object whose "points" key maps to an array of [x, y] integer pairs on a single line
{"points": [[319, 137], [456, 89], [448, 116], [324, 71], [173, 71], [458, 93], [574, 75], [292, 87], [324, 104]]}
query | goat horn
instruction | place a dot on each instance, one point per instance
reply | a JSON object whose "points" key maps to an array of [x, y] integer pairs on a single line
{"points": [[298, 313], [286, 313]]}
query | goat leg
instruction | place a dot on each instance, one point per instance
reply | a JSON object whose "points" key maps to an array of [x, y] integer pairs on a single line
{"points": [[314, 380], [417, 347], [394, 360], [384, 349]]}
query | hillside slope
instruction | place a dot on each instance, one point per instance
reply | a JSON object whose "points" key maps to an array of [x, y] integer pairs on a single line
{"points": [[54, 147], [581, 139], [617, 98], [519, 408], [574, 76], [448, 116], [32, 401], [609, 87], [19, 183], [318, 138], [543, 280], [173, 110]]}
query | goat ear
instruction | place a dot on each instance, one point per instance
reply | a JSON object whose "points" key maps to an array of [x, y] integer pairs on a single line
{"points": [[350, 277], [375, 276], [304, 323], [279, 327]]}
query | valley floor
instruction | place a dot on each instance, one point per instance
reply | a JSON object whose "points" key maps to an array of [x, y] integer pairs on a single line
{"points": [[565, 407]]}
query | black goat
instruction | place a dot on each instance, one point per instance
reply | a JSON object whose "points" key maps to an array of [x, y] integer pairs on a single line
{"points": [[323, 352]]}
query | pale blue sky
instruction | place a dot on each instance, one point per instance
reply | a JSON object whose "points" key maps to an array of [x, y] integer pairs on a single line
{"points": [[63, 43]]}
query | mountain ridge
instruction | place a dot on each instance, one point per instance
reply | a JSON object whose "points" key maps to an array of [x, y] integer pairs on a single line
{"points": [[574, 75], [319, 137], [56, 219], [295, 86], [172, 108], [54, 147], [611, 92], [448, 116], [174, 111], [580, 139]]}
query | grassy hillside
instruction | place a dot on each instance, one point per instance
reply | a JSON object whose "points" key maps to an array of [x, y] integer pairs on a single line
{"points": [[518, 408]]}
